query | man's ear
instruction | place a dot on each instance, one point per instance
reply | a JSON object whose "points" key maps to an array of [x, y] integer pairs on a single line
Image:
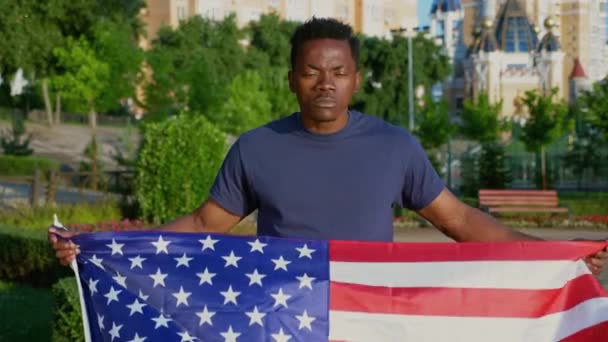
{"points": [[290, 80]]}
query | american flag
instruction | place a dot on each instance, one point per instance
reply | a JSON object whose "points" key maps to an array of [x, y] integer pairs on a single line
{"points": [[153, 286]]}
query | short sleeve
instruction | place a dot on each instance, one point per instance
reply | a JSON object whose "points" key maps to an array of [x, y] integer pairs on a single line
{"points": [[232, 188], [421, 183]]}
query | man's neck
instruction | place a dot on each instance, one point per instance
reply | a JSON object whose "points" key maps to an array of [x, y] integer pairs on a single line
{"points": [[325, 127]]}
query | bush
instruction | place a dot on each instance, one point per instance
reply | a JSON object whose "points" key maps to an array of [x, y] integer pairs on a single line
{"points": [[26, 256], [25, 165], [26, 313], [177, 165], [67, 320]]}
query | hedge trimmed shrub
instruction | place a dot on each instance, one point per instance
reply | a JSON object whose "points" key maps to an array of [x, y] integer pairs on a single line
{"points": [[67, 321], [26, 256], [26, 313], [25, 166], [177, 164]]}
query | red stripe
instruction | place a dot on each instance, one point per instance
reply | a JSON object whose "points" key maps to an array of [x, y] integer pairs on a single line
{"points": [[358, 251], [440, 301], [598, 332]]}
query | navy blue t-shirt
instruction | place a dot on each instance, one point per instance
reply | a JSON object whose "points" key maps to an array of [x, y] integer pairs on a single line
{"points": [[335, 186]]}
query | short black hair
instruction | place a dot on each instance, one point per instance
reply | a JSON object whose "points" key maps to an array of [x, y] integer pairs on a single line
{"points": [[323, 28]]}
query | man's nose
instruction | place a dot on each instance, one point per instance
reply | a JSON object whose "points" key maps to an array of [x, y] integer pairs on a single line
{"points": [[326, 81]]}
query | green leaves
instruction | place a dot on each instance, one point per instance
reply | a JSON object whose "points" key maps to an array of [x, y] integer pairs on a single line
{"points": [[177, 164], [547, 120], [595, 104], [481, 120]]}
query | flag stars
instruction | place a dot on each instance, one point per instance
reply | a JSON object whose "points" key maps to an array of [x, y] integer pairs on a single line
{"points": [[161, 321], [115, 331], [186, 337], [305, 281], [305, 252], [232, 260], [100, 322], [93, 286], [205, 316], [184, 260], [205, 277], [230, 295], [257, 246], [112, 295], [255, 277], [136, 338], [280, 298], [182, 297], [142, 295], [121, 280], [208, 243], [255, 317], [159, 278], [116, 247], [280, 263], [281, 336], [137, 262], [97, 261], [136, 306], [161, 245], [305, 321], [230, 335]]}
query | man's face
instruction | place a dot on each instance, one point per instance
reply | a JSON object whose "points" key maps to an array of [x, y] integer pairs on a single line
{"points": [[324, 78]]}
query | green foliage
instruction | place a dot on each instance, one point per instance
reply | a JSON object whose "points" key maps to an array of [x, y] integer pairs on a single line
{"points": [[26, 313], [40, 217], [247, 107], [25, 256], [14, 142], [585, 203], [434, 129], [481, 120], [171, 184], [493, 170], [595, 103], [585, 153], [67, 319], [470, 174], [270, 36], [25, 165]]}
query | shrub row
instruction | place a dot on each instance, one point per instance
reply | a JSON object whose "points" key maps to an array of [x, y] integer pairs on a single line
{"points": [[25, 165], [67, 321]]}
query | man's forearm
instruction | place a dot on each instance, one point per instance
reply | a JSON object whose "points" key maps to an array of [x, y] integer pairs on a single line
{"points": [[480, 226], [185, 224]]}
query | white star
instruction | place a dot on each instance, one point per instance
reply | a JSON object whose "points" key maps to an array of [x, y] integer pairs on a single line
{"points": [[136, 338], [183, 261], [280, 336], [230, 296], [115, 332], [137, 262], [257, 246], [161, 245], [208, 243], [255, 317], [280, 263], [136, 307], [161, 321], [112, 295], [116, 247], [159, 278], [100, 322], [186, 337], [122, 281], [205, 277], [255, 277], [231, 260], [93, 286], [280, 298], [230, 335], [305, 252], [97, 261], [305, 321], [305, 281], [181, 296], [142, 296], [205, 316]]}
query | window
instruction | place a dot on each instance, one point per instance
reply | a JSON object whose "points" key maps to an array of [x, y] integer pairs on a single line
{"points": [[181, 13]]}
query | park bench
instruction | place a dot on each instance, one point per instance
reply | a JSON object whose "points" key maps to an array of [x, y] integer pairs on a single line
{"points": [[520, 201]]}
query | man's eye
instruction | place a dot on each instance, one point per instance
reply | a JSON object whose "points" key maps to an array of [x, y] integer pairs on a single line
{"points": [[309, 74]]}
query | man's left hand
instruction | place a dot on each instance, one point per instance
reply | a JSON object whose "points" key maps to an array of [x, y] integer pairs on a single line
{"points": [[596, 261]]}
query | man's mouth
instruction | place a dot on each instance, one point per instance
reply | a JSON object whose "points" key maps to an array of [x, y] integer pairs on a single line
{"points": [[325, 101]]}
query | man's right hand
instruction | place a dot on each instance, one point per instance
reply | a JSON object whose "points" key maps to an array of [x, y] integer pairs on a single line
{"points": [[65, 249]]}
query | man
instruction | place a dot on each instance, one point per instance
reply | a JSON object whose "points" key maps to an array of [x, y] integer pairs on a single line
{"points": [[327, 172]]}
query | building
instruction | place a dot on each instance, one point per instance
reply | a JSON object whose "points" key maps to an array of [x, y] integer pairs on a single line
{"points": [[370, 17]]}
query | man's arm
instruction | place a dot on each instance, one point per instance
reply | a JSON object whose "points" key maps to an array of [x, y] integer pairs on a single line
{"points": [[464, 223]]}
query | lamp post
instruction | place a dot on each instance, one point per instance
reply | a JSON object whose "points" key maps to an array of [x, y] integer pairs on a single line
{"points": [[409, 34], [437, 94]]}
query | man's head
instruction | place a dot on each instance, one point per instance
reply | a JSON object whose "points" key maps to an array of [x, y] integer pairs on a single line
{"points": [[324, 68]]}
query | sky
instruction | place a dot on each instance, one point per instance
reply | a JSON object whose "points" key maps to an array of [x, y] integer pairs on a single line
{"points": [[424, 10]]}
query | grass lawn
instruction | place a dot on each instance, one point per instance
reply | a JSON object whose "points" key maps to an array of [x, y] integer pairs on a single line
{"points": [[26, 313]]}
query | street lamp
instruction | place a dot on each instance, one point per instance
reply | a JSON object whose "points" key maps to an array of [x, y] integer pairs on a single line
{"points": [[437, 94], [409, 33]]}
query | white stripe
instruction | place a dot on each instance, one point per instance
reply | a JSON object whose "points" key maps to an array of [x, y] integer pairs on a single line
{"points": [[355, 327], [83, 308], [470, 274]]}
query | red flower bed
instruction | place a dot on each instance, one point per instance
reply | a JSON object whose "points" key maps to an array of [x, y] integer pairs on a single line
{"points": [[110, 226], [596, 218]]}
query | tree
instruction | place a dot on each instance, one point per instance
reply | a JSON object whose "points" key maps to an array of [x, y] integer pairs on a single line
{"points": [[547, 122], [594, 103], [481, 120], [434, 127]]}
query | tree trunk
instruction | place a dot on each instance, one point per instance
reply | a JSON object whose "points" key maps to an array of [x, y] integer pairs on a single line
{"points": [[543, 168], [57, 109], [47, 101]]}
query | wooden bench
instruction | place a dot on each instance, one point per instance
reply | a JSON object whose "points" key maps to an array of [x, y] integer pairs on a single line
{"points": [[526, 201]]}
